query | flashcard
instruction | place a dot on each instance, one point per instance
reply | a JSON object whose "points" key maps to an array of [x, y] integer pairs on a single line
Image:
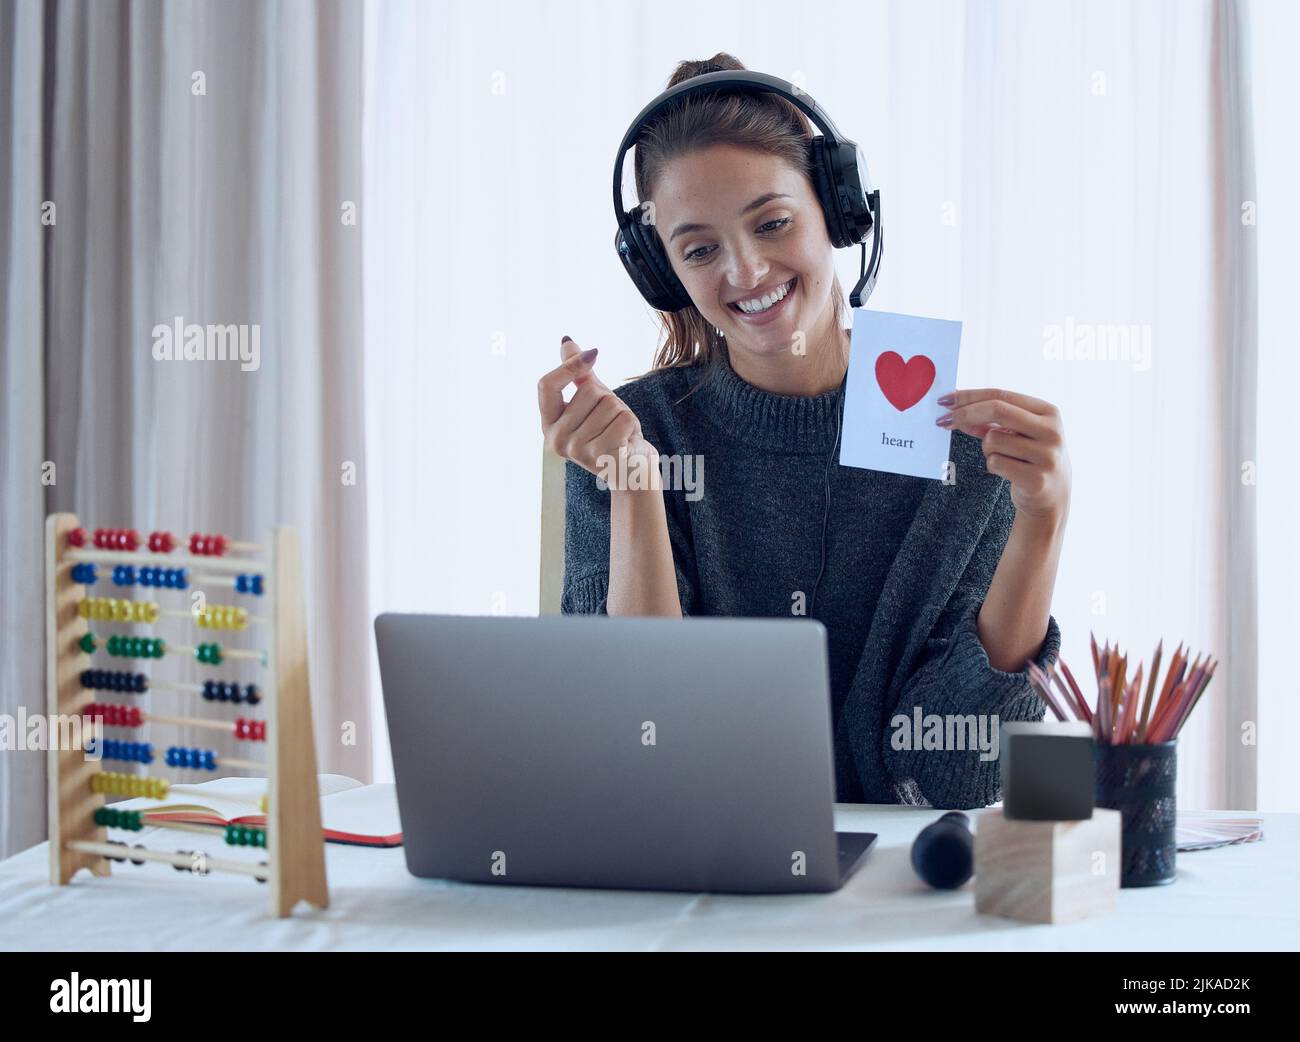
{"points": [[898, 366]]}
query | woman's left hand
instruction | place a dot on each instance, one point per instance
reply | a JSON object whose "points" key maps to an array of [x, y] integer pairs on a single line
{"points": [[1023, 441]]}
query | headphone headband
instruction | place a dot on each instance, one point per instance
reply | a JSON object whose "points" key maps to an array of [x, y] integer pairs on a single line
{"points": [[836, 166], [735, 79]]}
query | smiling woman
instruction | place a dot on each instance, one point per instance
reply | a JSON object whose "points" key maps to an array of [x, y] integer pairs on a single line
{"points": [[743, 222]]}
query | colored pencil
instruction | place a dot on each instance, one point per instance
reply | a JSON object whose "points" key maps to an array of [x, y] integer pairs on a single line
{"points": [[1151, 687], [1078, 693], [1128, 712]]}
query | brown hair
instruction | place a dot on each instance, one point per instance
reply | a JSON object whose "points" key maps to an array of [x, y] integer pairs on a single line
{"points": [[763, 122]]}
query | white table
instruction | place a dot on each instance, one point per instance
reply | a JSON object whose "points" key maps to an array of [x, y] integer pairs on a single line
{"points": [[1241, 897]]}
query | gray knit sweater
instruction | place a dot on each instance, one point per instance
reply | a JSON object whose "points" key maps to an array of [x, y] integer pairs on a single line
{"points": [[908, 564]]}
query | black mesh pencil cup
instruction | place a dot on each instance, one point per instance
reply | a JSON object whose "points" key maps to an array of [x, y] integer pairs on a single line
{"points": [[1138, 781]]}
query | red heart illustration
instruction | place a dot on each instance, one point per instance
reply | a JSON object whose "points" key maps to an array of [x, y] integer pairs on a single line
{"points": [[904, 383]]}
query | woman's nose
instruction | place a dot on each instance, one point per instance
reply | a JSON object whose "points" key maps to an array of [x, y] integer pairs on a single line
{"points": [[747, 271]]}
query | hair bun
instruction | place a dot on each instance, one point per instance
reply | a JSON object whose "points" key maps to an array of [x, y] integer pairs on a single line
{"points": [[720, 62]]}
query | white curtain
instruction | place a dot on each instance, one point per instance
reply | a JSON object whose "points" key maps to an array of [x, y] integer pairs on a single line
{"points": [[1087, 219], [1275, 76], [1053, 175], [22, 415], [201, 158]]}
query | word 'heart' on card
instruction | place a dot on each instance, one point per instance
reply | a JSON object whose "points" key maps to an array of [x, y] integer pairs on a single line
{"points": [[904, 383]]}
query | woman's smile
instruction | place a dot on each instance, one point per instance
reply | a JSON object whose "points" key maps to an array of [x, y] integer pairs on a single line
{"points": [[771, 313]]}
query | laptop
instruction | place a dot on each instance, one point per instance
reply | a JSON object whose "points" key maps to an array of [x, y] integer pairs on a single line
{"points": [[615, 752]]}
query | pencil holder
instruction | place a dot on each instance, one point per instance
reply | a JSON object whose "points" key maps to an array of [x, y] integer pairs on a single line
{"points": [[1138, 781]]}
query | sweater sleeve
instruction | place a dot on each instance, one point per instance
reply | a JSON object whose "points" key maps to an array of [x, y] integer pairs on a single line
{"points": [[586, 547], [953, 677]]}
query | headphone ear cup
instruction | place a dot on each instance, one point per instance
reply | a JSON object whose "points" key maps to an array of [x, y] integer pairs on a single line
{"points": [[819, 166], [674, 295], [645, 262]]}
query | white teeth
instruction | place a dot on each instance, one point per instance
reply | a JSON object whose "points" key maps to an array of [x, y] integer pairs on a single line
{"points": [[751, 307]]}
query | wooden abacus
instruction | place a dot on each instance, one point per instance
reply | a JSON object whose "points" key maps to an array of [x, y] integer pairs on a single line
{"points": [[292, 839]]}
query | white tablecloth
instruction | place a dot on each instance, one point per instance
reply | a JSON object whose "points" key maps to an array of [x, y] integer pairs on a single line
{"points": [[1241, 897]]}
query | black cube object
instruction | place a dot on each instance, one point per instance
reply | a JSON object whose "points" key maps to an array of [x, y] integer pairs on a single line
{"points": [[1048, 771]]}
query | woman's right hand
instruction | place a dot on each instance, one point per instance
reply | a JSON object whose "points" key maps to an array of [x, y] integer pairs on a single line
{"points": [[596, 423]]}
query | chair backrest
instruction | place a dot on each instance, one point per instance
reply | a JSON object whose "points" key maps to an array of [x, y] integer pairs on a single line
{"points": [[552, 548]]}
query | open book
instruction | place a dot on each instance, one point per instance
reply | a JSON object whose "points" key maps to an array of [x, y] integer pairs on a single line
{"points": [[1201, 831], [351, 813]]}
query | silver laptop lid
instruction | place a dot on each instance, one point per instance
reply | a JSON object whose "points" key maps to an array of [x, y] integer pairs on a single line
{"points": [[682, 754]]}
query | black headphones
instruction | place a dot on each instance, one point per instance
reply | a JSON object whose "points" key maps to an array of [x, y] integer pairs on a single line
{"points": [[837, 167]]}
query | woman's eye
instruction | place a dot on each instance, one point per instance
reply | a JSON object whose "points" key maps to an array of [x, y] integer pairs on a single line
{"points": [[779, 223]]}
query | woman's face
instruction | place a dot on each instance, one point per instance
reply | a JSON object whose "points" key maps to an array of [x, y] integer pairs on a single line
{"points": [[727, 253]]}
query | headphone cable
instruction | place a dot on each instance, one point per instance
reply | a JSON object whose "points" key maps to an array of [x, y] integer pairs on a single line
{"points": [[830, 459]]}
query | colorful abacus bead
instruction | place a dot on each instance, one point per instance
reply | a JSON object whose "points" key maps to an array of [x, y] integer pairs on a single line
{"points": [[115, 715], [87, 643], [85, 574], [123, 575], [126, 847], [114, 749], [161, 542], [198, 863], [117, 609], [114, 680], [110, 817], [169, 578], [136, 647], [244, 836], [117, 538], [207, 545], [209, 654], [220, 691], [193, 759], [77, 537], [249, 584], [223, 691], [250, 730], [117, 784], [222, 617]]}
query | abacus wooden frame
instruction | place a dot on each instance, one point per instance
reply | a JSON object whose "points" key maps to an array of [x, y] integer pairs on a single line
{"points": [[295, 846]]}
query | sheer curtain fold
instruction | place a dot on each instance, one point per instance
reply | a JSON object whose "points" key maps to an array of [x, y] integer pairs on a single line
{"points": [[1238, 325], [22, 413], [202, 157]]}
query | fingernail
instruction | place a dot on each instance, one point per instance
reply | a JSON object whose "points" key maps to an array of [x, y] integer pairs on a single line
{"points": [[948, 398], [945, 420], [565, 339], [588, 356]]}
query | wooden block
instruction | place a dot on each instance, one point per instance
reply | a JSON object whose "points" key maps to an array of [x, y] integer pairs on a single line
{"points": [[1047, 871]]}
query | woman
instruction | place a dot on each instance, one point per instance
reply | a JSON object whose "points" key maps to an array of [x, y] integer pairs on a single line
{"points": [[935, 595]]}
